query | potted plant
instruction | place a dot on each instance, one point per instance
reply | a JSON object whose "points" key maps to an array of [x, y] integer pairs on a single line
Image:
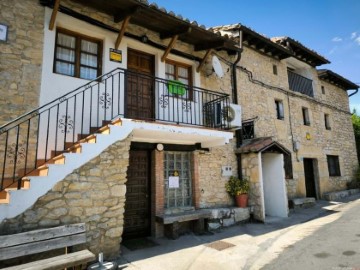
{"points": [[239, 188]]}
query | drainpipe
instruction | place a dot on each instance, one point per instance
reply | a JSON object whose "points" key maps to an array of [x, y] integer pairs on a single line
{"points": [[234, 79], [356, 90], [238, 133]]}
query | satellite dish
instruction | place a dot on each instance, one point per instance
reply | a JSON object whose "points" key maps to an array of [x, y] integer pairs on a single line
{"points": [[217, 66]]}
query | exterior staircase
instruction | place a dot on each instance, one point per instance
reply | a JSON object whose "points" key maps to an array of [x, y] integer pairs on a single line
{"points": [[14, 201]]}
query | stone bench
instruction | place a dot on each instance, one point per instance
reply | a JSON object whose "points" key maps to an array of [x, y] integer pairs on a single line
{"points": [[172, 226]]}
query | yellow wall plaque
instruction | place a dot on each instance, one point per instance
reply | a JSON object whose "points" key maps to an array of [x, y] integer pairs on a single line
{"points": [[116, 55]]}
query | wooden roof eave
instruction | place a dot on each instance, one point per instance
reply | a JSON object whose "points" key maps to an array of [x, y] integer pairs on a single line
{"points": [[337, 80], [187, 32], [257, 42], [166, 24]]}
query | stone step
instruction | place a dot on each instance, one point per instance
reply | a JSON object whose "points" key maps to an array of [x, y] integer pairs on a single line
{"points": [[297, 203], [74, 149], [60, 159], [9, 183], [40, 171], [332, 196], [4, 197]]}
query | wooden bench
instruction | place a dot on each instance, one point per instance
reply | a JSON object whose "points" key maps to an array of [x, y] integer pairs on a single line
{"points": [[172, 221], [33, 242]]}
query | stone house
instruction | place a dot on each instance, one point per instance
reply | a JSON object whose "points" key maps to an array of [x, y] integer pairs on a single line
{"points": [[112, 115]]}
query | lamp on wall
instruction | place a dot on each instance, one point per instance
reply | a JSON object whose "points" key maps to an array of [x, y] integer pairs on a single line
{"points": [[160, 147], [296, 146]]}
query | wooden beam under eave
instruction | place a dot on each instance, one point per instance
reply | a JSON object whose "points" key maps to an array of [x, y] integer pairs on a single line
{"points": [[169, 47], [53, 15], [203, 60], [209, 45], [180, 31], [122, 31]]}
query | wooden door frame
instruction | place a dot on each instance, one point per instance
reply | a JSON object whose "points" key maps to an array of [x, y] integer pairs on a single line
{"points": [[315, 172], [153, 96], [134, 148]]}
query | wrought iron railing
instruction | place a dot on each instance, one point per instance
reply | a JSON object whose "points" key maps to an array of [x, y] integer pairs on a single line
{"points": [[36, 137], [248, 130], [300, 84]]}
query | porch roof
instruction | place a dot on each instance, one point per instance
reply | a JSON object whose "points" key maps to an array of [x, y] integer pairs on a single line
{"points": [[264, 144], [158, 19], [159, 132]]}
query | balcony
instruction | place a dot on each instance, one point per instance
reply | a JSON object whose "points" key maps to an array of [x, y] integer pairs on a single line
{"points": [[36, 137], [300, 84]]}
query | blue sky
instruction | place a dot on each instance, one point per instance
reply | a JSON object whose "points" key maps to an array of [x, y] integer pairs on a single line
{"points": [[330, 27]]}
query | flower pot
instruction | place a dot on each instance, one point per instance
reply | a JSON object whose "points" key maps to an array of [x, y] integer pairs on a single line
{"points": [[242, 200]]}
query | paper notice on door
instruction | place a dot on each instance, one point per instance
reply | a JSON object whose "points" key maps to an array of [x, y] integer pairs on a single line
{"points": [[173, 181]]}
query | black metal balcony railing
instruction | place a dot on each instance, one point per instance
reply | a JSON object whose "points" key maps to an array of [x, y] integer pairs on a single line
{"points": [[300, 84], [32, 139]]}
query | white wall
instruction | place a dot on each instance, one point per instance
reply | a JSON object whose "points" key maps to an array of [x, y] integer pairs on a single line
{"points": [[55, 85], [273, 178]]}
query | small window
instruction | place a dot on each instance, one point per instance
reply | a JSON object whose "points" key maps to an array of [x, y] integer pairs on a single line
{"points": [[333, 165], [275, 69], [327, 121], [323, 90], [279, 106], [306, 118], [77, 55], [182, 73]]}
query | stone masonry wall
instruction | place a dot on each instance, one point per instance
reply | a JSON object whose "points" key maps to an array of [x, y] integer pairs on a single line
{"points": [[251, 170], [259, 102], [20, 57], [211, 182], [94, 194]]}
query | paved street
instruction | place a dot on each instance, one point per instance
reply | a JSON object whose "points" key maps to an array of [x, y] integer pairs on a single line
{"points": [[332, 242], [323, 237]]}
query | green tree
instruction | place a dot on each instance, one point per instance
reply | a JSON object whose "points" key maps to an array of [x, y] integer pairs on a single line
{"points": [[356, 124]]}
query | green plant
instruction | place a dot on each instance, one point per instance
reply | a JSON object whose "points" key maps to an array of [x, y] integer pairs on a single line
{"points": [[355, 183], [236, 186]]}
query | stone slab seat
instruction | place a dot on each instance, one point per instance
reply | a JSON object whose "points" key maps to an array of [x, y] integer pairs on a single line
{"points": [[172, 221], [297, 203]]}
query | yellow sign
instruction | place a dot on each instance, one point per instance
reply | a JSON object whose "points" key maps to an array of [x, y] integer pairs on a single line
{"points": [[116, 55], [308, 136]]}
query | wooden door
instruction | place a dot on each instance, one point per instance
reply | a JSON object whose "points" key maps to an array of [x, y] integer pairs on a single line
{"points": [[309, 178], [137, 204], [140, 86]]}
